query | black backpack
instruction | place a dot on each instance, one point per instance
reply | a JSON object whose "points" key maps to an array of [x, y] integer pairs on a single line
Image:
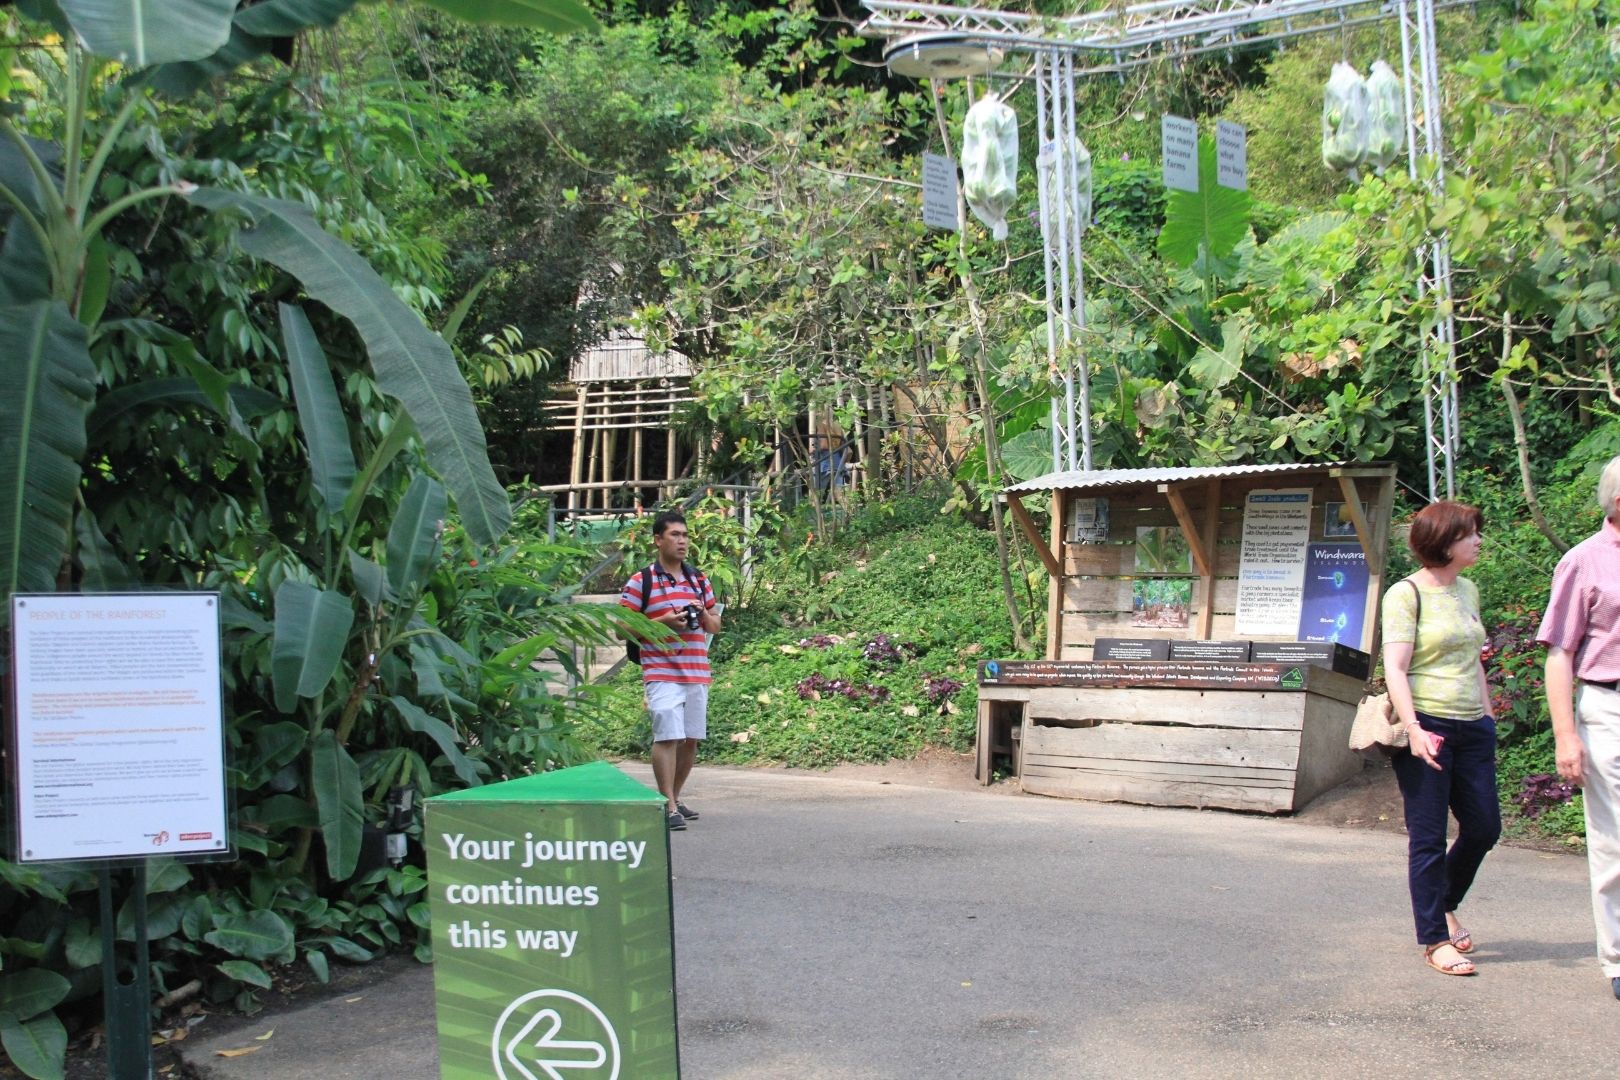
{"points": [[632, 647]]}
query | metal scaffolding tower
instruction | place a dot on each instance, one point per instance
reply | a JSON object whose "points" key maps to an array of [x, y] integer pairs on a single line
{"points": [[938, 40]]}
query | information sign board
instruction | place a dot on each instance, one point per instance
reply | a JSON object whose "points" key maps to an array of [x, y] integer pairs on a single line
{"points": [[1271, 567], [939, 191], [117, 733], [1335, 600], [1088, 521], [1180, 139], [1159, 674], [553, 949], [1231, 155]]}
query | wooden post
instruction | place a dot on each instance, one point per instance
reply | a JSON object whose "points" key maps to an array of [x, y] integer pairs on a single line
{"points": [[669, 464], [590, 468], [1027, 524], [609, 448], [1370, 630], [636, 474], [1212, 528], [577, 459], [1054, 589]]}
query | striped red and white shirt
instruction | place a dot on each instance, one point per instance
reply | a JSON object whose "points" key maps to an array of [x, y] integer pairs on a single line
{"points": [[687, 662], [1583, 614]]}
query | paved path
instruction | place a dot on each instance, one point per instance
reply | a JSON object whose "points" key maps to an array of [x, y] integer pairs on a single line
{"points": [[830, 928]]}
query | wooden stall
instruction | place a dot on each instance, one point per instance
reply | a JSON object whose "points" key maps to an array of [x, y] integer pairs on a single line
{"points": [[1191, 567]]}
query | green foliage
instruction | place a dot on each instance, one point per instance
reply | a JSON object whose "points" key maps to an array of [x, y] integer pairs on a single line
{"points": [[723, 544], [134, 461], [922, 581]]}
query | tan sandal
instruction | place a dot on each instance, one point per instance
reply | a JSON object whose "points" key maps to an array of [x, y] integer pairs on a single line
{"points": [[1462, 940], [1461, 966]]}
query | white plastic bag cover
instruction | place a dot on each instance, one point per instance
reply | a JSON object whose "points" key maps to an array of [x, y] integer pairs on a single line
{"points": [[1082, 184], [990, 162], [1386, 128], [1344, 119]]}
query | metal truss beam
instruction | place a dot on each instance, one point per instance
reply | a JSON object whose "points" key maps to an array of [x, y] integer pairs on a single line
{"points": [[1124, 38]]}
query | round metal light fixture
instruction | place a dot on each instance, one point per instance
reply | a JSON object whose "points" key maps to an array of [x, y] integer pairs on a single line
{"points": [[940, 56]]}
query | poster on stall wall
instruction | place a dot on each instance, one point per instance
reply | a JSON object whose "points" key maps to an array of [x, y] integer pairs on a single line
{"points": [[117, 726], [1088, 521], [1335, 596], [1271, 568]]}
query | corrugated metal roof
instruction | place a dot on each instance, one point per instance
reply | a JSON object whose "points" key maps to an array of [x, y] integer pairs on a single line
{"points": [[1082, 479]]}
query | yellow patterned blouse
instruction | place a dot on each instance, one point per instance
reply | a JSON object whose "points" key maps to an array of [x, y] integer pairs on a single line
{"points": [[1444, 673]]}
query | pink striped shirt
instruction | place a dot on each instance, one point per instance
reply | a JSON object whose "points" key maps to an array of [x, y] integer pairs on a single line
{"points": [[687, 662], [1583, 614]]}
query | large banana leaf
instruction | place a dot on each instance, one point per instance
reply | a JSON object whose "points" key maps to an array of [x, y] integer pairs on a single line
{"points": [[558, 16], [140, 33], [1209, 222], [398, 436], [413, 536], [339, 803], [312, 627], [47, 384], [320, 414], [25, 270], [253, 34], [443, 735], [411, 362], [284, 18], [103, 572], [248, 401]]}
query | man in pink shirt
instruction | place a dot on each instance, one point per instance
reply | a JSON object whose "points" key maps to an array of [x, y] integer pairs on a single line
{"points": [[1581, 630]]}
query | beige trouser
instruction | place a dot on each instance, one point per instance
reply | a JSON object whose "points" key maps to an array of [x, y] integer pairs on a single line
{"points": [[1598, 720]]}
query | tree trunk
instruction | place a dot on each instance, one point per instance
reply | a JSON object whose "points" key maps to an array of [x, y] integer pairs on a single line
{"points": [[1523, 444]]}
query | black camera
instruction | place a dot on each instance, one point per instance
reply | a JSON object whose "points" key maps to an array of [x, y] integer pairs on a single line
{"points": [[693, 615]]}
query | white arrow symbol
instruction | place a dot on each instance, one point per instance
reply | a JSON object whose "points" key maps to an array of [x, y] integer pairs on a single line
{"points": [[548, 1041]]}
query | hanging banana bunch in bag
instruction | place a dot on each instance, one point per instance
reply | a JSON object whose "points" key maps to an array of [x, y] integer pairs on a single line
{"points": [[1345, 121], [990, 162], [1386, 117]]}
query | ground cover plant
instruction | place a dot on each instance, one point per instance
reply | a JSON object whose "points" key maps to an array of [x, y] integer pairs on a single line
{"points": [[865, 653]]}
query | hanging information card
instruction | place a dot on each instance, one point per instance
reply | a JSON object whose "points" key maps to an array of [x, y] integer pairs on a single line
{"points": [[1180, 145], [1271, 569], [939, 191]]}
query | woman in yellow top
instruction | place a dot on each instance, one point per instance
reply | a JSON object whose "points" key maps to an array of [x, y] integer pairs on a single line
{"points": [[1432, 642]]}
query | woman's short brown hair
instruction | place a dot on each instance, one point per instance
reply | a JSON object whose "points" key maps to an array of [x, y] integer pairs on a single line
{"points": [[1439, 525]]}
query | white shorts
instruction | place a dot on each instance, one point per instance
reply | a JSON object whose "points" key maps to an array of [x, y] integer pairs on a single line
{"points": [[679, 710]]}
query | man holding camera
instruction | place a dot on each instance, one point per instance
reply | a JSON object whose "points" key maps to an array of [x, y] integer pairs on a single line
{"points": [[674, 669]]}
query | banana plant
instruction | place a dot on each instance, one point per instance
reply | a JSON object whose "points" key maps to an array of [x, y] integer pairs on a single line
{"points": [[56, 276]]}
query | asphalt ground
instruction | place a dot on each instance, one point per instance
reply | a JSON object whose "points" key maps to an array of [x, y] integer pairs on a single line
{"points": [[861, 930]]}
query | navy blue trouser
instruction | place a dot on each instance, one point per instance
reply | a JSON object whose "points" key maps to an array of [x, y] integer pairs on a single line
{"points": [[1466, 786]]}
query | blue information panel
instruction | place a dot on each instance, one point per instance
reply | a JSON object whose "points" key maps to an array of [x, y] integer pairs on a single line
{"points": [[1335, 598]]}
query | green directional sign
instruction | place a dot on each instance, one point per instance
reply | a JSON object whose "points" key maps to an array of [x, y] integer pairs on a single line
{"points": [[553, 945]]}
